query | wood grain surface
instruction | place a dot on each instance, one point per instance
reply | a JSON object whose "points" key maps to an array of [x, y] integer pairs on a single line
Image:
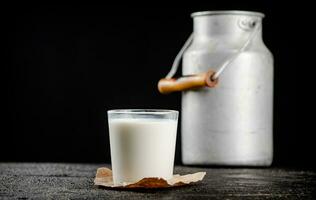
{"points": [[75, 181]]}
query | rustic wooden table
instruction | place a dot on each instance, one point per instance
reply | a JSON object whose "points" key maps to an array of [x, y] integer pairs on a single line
{"points": [[73, 181]]}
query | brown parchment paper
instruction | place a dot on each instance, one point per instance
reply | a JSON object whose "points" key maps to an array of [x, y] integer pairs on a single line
{"points": [[104, 178]]}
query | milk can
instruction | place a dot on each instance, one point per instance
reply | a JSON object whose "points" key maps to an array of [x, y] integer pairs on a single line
{"points": [[227, 91]]}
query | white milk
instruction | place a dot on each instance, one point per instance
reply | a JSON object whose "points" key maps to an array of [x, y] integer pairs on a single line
{"points": [[142, 148]]}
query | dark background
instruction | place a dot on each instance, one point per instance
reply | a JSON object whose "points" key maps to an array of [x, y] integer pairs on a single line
{"points": [[67, 65]]}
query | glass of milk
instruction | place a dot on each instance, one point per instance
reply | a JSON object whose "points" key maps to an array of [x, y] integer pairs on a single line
{"points": [[142, 143]]}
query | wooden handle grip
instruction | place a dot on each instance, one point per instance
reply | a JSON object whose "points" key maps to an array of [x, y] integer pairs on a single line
{"points": [[166, 86]]}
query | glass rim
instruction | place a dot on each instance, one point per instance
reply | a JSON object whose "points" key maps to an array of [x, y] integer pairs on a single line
{"points": [[143, 111]]}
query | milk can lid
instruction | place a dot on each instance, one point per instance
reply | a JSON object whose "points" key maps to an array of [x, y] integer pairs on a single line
{"points": [[227, 12]]}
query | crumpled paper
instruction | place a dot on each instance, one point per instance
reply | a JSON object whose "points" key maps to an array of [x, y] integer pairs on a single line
{"points": [[104, 178]]}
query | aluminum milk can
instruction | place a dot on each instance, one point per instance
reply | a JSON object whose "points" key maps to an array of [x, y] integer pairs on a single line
{"points": [[231, 123]]}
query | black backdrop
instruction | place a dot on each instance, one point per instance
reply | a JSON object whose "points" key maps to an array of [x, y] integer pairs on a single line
{"points": [[67, 65]]}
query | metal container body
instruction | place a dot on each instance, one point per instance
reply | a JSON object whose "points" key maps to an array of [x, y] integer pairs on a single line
{"points": [[230, 124]]}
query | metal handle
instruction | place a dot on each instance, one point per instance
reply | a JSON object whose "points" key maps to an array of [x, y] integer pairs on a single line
{"points": [[176, 61], [246, 25], [169, 84]]}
